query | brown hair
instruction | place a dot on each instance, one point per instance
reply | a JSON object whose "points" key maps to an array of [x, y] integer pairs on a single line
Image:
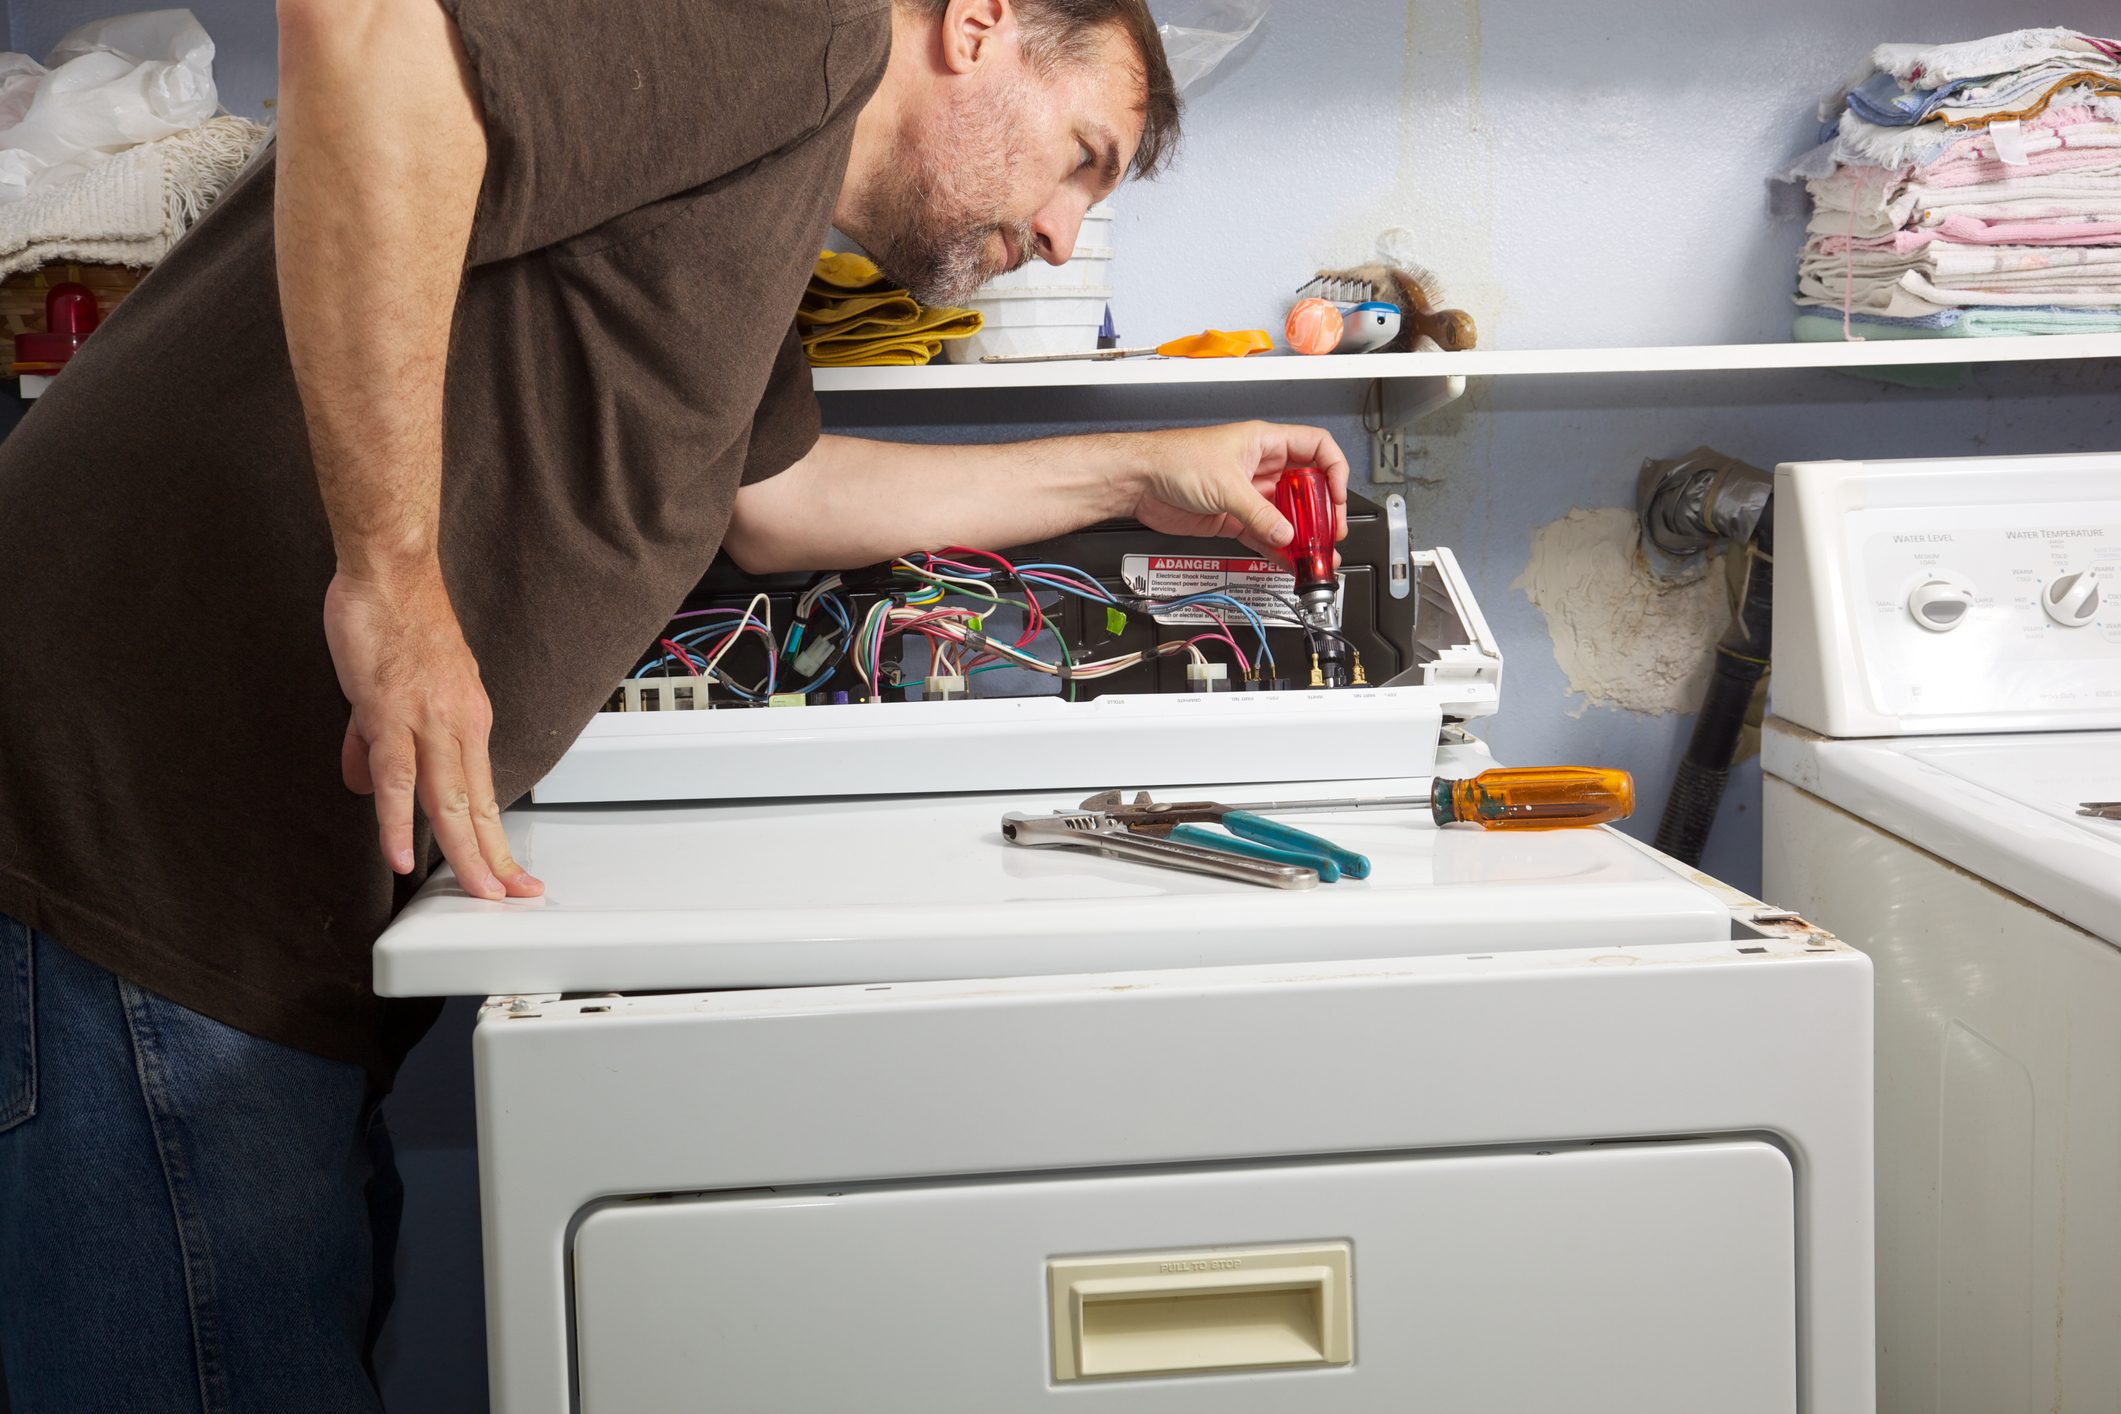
{"points": [[1058, 32]]}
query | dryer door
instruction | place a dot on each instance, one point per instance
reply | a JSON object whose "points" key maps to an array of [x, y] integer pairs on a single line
{"points": [[1635, 1278]]}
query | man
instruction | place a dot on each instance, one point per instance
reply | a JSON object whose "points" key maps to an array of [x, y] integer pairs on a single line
{"points": [[485, 361]]}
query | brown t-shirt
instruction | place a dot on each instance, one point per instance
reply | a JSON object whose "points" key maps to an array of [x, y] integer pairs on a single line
{"points": [[660, 175]]}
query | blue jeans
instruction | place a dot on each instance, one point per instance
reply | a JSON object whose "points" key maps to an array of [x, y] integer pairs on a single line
{"points": [[190, 1218]]}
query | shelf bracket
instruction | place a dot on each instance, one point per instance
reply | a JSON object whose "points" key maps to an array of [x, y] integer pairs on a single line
{"points": [[1390, 411]]}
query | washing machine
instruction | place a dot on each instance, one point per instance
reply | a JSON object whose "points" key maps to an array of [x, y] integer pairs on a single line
{"points": [[843, 1104], [1947, 723]]}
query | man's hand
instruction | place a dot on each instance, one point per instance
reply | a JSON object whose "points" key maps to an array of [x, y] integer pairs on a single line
{"points": [[419, 724], [1220, 480]]}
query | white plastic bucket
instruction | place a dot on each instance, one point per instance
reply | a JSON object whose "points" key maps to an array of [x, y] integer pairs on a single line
{"points": [[1033, 321], [1045, 309]]}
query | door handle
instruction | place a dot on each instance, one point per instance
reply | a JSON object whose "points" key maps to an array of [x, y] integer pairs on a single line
{"points": [[1171, 1313]]}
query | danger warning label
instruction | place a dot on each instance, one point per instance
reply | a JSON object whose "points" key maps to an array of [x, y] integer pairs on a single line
{"points": [[1266, 586]]}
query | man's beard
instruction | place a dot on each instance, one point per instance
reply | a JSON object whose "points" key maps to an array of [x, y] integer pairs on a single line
{"points": [[930, 229]]}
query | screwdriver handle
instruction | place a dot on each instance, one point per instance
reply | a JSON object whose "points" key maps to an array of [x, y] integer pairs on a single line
{"points": [[1534, 798]]}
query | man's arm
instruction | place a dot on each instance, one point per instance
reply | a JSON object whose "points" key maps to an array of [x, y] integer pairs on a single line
{"points": [[854, 502], [381, 153]]}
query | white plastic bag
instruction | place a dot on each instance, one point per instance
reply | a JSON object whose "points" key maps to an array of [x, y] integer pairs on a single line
{"points": [[109, 85], [1199, 34]]}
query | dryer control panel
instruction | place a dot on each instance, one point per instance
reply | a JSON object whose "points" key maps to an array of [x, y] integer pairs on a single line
{"points": [[1949, 596]]}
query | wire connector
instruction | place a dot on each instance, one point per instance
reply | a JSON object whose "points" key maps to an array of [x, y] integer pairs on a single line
{"points": [[1207, 677], [1318, 679], [662, 694], [944, 689], [815, 654], [1362, 679]]}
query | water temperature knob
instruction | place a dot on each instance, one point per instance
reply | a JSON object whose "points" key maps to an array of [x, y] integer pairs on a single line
{"points": [[1939, 605], [2072, 600]]}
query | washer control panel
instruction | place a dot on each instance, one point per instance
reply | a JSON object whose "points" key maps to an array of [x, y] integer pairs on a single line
{"points": [[1969, 614], [1968, 595]]}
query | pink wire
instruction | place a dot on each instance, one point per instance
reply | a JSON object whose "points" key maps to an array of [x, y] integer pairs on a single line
{"points": [[1242, 665]]}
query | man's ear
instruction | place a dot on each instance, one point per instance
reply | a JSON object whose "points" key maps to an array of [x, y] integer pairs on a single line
{"points": [[974, 31]]}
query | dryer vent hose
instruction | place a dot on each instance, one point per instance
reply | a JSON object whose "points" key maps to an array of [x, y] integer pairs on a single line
{"points": [[1697, 790], [1738, 500]]}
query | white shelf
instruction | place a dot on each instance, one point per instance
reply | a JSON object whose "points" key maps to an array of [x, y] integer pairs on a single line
{"points": [[1436, 368], [1130, 372]]}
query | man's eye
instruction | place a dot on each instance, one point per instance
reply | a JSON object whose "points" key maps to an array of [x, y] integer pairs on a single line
{"points": [[1089, 157]]}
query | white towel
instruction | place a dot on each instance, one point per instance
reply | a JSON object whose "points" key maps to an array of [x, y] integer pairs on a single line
{"points": [[1935, 65], [131, 209]]}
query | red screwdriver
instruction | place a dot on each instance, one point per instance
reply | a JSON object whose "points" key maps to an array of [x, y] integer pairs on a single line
{"points": [[1304, 496]]}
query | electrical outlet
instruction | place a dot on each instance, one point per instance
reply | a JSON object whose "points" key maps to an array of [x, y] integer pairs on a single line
{"points": [[1387, 456]]}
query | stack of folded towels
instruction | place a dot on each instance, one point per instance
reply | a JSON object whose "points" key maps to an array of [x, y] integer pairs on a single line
{"points": [[853, 315], [1969, 189]]}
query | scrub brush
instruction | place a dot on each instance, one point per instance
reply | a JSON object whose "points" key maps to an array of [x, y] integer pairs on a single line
{"points": [[1397, 283]]}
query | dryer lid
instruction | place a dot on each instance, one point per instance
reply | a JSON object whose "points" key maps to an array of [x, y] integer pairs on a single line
{"points": [[802, 893]]}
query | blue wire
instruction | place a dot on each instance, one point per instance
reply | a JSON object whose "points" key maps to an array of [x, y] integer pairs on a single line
{"points": [[1082, 591], [1220, 598], [1212, 596]]}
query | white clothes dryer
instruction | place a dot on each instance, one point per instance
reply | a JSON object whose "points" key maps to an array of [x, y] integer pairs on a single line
{"points": [[846, 1106]]}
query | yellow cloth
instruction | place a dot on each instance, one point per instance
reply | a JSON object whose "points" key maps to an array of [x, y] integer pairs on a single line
{"points": [[852, 315]]}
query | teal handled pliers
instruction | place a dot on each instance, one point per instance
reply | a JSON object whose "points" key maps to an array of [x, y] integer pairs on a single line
{"points": [[1254, 836]]}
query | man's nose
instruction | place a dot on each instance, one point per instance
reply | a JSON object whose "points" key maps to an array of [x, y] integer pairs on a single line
{"points": [[1055, 229]]}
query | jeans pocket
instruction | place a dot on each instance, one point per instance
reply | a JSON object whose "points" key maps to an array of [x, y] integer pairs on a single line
{"points": [[18, 1023]]}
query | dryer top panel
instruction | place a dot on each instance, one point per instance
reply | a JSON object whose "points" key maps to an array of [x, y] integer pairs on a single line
{"points": [[803, 893]]}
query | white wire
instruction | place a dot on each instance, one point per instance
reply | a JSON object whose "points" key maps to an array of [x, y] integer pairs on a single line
{"points": [[815, 592], [751, 613]]}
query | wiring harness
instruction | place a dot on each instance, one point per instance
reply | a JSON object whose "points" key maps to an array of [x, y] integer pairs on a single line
{"points": [[947, 599]]}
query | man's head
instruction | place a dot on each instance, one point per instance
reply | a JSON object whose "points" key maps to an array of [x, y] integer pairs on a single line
{"points": [[1006, 120]]}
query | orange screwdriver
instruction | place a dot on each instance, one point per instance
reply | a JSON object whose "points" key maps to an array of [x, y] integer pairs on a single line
{"points": [[1534, 798], [1504, 798]]}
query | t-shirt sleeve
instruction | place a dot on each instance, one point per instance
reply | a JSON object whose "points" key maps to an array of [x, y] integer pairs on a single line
{"points": [[786, 425], [594, 108]]}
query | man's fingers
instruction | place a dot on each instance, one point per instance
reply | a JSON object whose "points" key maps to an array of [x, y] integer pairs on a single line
{"points": [[446, 797], [392, 773], [353, 763], [1261, 523], [486, 824]]}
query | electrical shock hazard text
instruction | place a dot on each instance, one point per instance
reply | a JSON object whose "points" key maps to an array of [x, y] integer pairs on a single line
{"points": [[1266, 586]]}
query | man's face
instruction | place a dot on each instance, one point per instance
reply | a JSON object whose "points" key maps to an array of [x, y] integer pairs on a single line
{"points": [[999, 167]]}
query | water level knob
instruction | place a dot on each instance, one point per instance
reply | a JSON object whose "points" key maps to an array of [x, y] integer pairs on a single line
{"points": [[1940, 605], [2072, 600]]}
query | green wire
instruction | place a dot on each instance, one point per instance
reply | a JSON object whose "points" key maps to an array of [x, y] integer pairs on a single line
{"points": [[951, 586]]}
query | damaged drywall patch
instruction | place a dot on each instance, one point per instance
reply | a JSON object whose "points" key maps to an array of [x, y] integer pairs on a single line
{"points": [[1622, 638]]}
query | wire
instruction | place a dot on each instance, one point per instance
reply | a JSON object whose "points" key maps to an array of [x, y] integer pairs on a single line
{"points": [[759, 602], [683, 657], [927, 601]]}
